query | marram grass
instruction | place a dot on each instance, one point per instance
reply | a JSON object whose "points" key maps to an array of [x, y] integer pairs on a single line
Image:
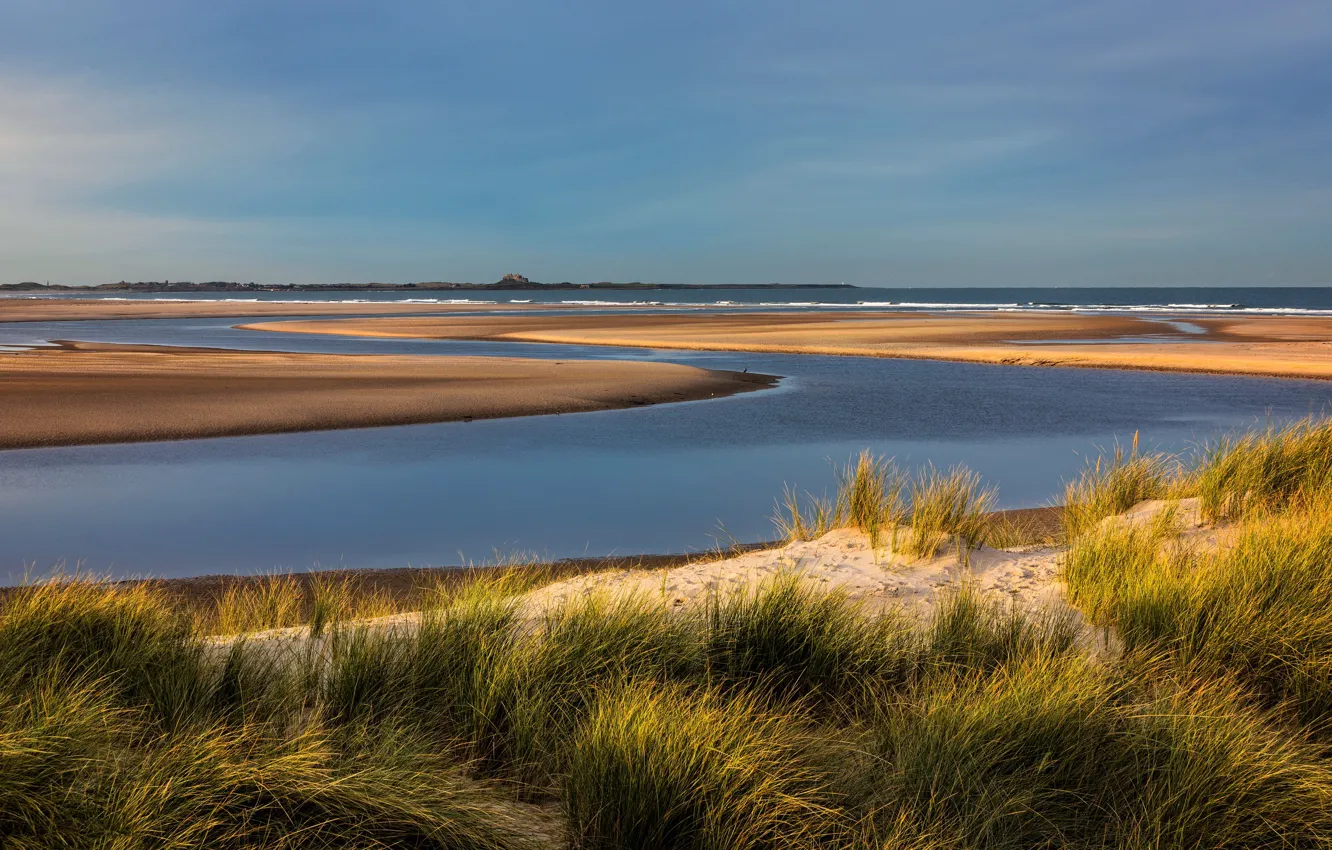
{"points": [[1111, 485], [946, 504], [1264, 470], [1244, 474], [1258, 609], [1058, 752], [789, 640], [657, 766], [917, 512], [787, 717], [871, 488]]}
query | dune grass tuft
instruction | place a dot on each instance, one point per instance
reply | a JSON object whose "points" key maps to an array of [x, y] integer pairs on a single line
{"points": [[660, 767], [871, 496], [1003, 530], [871, 488], [126, 638], [1009, 760], [273, 603], [789, 640], [238, 789], [540, 692], [807, 518], [948, 503], [1257, 609], [868, 497], [970, 632], [1264, 470], [1057, 752], [120, 728], [1111, 485], [50, 736]]}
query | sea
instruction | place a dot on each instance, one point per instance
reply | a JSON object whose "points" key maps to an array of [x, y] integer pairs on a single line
{"points": [[1286, 300]]}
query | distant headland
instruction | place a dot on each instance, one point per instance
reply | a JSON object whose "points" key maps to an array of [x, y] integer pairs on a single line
{"points": [[508, 282]]}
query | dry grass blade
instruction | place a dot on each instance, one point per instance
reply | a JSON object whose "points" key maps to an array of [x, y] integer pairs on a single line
{"points": [[658, 767], [1263, 471], [952, 503], [1112, 485]]}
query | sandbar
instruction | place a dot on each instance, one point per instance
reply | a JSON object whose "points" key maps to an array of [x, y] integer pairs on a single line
{"points": [[80, 393], [1280, 346]]}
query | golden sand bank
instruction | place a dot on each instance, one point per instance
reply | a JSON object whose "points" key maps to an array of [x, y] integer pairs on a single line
{"points": [[1263, 345], [93, 393]]}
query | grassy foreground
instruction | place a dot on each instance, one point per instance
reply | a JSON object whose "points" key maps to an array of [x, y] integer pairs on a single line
{"points": [[784, 717]]}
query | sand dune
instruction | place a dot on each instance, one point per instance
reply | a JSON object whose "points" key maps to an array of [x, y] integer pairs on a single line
{"points": [[92, 393], [842, 561], [1261, 345]]}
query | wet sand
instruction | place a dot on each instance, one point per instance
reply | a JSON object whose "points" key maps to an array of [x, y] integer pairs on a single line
{"points": [[82, 393], [1296, 347]]}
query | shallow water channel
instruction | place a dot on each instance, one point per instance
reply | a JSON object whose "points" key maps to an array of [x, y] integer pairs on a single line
{"points": [[659, 479]]}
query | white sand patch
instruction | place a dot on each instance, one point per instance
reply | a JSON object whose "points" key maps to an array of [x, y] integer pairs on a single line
{"points": [[1187, 518], [842, 560]]}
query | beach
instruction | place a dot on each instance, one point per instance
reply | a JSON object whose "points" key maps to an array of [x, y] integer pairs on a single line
{"points": [[1280, 346], [665, 427], [82, 393]]}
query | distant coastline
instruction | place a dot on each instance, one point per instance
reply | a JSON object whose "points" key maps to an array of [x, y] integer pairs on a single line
{"points": [[510, 282]]}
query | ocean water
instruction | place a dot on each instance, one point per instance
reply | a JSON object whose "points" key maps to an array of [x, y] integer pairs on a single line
{"points": [[1195, 300], [668, 478]]}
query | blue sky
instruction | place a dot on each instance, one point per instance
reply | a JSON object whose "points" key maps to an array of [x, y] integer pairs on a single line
{"points": [[950, 143]]}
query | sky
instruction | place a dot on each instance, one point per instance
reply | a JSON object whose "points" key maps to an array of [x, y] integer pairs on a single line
{"points": [[942, 143]]}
